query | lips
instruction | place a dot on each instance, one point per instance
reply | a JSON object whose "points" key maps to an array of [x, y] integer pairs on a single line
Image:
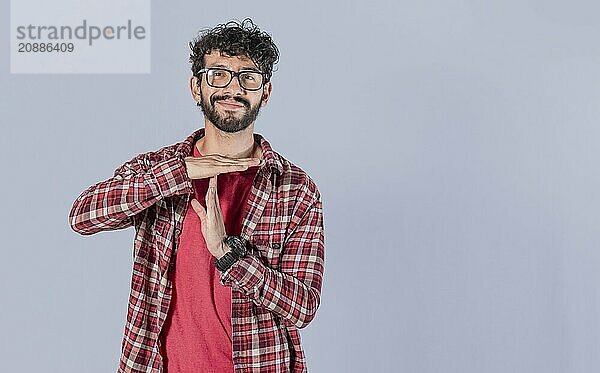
{"points": [[230, 104]]}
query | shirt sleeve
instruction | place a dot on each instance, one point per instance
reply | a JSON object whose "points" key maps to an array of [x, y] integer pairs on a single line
{"points": [[294, 290], [136, 185]]}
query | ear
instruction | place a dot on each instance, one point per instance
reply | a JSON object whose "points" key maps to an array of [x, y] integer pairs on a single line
{"points": [[195, 88], [266, 93]]}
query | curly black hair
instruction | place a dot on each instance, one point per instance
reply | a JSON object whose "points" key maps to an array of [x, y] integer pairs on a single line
{"points": [[236, 38]]}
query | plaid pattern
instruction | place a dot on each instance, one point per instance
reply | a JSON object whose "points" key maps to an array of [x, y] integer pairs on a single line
{"points": [[276, 290]]}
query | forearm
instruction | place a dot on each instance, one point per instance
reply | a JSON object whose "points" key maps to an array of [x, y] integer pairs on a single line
{"points": [[288, 296], [112, 203]]}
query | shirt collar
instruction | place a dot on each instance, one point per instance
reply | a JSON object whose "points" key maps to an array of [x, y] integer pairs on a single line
{"points": [[272, 160]]}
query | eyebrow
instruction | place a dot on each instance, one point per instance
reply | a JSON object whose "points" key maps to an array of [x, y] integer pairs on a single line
{"points": [[241, 68]]}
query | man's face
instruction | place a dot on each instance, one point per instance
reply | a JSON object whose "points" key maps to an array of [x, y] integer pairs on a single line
{"points": [[231, 108]]}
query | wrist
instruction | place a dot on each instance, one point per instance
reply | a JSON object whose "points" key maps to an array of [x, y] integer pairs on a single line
{"points": [[233, 248], [224, 249]]}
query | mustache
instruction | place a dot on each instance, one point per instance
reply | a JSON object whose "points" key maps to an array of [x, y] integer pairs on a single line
{"points": [[241, 100]]}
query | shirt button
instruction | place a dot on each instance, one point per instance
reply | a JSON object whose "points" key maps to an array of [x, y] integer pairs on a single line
{"points": [[276, 246], [177, 231]]}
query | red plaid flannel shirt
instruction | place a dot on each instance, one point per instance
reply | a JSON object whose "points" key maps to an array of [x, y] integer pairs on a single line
{"points": [[276, 289]]}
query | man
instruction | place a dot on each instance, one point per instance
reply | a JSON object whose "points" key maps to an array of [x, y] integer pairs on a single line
{"points": [[226, 268]]}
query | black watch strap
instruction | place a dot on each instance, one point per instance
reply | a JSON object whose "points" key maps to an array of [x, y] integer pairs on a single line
{"points": [[226, 261], [238, 250], [237, 245]]}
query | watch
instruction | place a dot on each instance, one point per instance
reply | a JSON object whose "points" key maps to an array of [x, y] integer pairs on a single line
{"points": [[237, 245], [238, 250]]}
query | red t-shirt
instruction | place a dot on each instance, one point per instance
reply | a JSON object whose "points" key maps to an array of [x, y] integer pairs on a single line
{"points": [[196, 336]]}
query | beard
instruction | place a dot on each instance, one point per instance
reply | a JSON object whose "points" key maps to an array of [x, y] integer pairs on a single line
{"points": [[229, 122]]}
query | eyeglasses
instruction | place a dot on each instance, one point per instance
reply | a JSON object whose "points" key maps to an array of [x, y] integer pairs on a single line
{"points": [[218, 77]]}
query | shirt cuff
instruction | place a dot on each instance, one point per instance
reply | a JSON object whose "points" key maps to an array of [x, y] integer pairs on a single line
{"points": [[169, 178], [247, 273]]}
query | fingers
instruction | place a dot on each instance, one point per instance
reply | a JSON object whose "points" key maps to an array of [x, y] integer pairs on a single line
{"points": [[212, 183], [212, 202], [214, 164], [232, 168], [238, 165], [199, 209], [248, 162], [217, 204], [226, 158], [211, 194], [217, 158]]}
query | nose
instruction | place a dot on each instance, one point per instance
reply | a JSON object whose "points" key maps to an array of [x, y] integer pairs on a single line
{"points": [[233, 88]]}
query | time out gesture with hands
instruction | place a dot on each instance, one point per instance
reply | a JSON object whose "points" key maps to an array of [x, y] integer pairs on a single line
{"points": [[211, 218]]}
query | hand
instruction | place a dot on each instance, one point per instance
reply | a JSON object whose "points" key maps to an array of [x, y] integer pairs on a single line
{"points": [[213, 227], [214, 164]]}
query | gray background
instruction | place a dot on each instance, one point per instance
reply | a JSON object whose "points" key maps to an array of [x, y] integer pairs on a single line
{"points": [[456, 147]]}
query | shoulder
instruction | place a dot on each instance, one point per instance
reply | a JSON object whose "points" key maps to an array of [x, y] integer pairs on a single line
{"points": [[296, 181], [298, 197], [292, 180]]}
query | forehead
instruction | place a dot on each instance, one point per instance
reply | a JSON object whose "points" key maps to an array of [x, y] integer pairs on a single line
{"points": [[215, 58]]}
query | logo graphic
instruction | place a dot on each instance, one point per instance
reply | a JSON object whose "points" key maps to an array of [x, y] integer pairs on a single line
{"points": [[80, 36]]}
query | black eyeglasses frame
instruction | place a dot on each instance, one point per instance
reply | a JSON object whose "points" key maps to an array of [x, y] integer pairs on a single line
{"points": [[233, 74]]}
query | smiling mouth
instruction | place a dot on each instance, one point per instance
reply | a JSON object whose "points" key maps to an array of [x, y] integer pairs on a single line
{"points": [[230, 105]]}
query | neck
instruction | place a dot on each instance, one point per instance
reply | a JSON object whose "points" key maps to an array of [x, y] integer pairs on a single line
{"points": [[234, 145]]}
